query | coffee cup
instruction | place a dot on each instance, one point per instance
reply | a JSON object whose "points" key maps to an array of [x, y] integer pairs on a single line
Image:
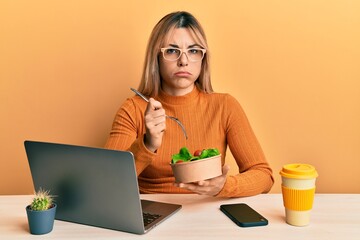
{"points": [[298, 191]]}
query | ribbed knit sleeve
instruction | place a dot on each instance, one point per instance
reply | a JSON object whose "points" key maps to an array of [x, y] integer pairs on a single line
{"points": [[127, 133], [255, 174]]}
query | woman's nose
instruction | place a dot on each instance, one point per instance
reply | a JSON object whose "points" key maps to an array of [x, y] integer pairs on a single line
{"points": [[183, 60]]}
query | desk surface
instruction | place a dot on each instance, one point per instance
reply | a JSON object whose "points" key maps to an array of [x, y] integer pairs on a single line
{"points": [[334, 216]]}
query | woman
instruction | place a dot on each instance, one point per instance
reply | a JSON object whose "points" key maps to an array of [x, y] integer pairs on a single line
{"points": [[176, 78]]}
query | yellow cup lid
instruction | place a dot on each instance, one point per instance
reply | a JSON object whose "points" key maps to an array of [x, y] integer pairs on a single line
{"points": [[298, 170]]}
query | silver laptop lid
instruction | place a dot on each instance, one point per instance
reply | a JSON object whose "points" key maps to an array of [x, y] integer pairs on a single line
{"points": [[93, 186]]}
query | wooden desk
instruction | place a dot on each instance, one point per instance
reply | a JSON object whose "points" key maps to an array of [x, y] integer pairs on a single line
{"points": [[334, 216]]}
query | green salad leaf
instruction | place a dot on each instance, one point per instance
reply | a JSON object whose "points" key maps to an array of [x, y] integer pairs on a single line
{"points": [[184, 155]]}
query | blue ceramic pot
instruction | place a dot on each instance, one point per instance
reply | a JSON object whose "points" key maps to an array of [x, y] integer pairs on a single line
{"points": [[41, 222]]}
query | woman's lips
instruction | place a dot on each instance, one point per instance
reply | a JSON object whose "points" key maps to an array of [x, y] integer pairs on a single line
{"points": [[182, 74]]}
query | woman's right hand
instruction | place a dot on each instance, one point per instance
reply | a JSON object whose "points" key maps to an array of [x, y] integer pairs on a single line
{"points": [[155, 124]]}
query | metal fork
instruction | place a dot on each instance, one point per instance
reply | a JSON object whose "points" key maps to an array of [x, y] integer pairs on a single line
{"points": [[170, 117]]}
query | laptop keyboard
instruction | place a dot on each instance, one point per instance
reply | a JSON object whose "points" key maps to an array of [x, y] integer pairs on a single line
{"points": [[149, 218]]}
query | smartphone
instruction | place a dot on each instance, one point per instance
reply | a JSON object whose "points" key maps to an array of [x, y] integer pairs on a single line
{"points": [[243, 215]]}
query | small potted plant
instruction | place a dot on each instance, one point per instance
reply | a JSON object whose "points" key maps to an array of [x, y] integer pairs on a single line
{"points": [[41, 213]]}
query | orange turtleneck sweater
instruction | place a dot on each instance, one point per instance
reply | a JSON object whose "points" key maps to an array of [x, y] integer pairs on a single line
{"points": [[211, 121]]}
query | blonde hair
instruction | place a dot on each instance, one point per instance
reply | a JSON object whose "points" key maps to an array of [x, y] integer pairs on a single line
{"points": [[150, 81]]}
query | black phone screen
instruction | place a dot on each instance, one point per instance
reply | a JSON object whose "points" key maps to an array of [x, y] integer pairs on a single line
{"points": [[243, 215]]}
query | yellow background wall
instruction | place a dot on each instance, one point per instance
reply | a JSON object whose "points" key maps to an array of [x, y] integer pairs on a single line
{"points": [[67, 65]]}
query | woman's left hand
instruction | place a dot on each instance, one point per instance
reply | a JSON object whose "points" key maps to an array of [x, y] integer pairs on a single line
{"points": [[209, 187]]}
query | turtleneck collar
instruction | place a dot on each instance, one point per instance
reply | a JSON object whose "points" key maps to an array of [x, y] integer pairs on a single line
{"points": [[178, 100]]}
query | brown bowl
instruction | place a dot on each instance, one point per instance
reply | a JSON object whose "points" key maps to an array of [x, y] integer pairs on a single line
{"points": [[202, 169]]}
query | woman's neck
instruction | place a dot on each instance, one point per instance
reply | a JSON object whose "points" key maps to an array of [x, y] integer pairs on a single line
{"points": [[164, 97], [178, 91]]}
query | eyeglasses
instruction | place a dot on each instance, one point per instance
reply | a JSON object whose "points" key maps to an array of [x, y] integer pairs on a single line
{"points": [[173, 54]]}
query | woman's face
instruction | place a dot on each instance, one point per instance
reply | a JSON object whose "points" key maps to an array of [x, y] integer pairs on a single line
{"points": [[178, 77]]}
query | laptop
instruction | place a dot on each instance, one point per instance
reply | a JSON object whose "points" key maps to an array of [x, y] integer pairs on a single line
{"points": [[94, 186]]}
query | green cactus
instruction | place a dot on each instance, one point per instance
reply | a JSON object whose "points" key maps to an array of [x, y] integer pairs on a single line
{"points": [[42, 201]]}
